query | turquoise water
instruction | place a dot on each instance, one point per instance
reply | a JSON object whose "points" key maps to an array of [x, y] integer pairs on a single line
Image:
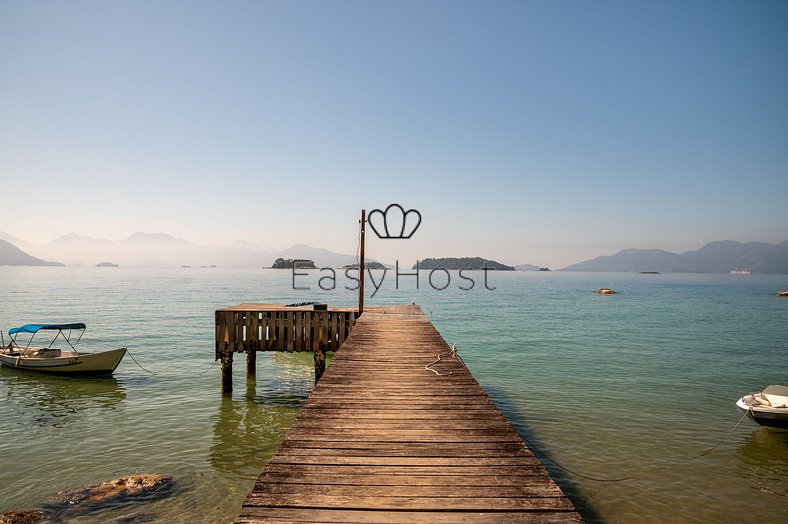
{"points": [[632, 384]]}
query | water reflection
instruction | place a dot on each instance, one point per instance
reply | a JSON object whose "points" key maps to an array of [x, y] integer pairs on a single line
{"points": [[541, 450], [52, 400], [764, 460], [248, 431]]}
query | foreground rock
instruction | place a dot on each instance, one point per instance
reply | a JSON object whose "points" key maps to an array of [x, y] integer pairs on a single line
{"points": [[25, 516], [123, 490], [135, 486]]}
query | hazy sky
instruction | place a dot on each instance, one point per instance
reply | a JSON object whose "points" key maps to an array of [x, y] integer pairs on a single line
{"points": [[529, 132]]}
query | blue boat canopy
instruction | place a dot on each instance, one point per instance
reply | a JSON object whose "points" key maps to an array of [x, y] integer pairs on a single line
{"points": [[35, 328]]}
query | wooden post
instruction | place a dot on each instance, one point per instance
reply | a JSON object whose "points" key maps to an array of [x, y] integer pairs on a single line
{"points": [[318, 347], [320, 362], [227, 371], [251, 363], [361, 264], [251, 343]]}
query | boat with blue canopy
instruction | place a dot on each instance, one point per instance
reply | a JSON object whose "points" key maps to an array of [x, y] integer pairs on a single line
{"points": [[62, 359]]}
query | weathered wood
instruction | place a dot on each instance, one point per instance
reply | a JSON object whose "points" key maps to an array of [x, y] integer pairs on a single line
{"points": [[255, 515], [383, 438], [251, 363], [275, 327], [227, 371], [320, 363]]}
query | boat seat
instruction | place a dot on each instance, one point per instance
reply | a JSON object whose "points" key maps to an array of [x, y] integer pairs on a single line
{"points": [[776, 395]]}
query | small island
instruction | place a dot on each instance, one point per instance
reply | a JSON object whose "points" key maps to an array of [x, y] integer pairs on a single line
{"points": [[462, 263], [367, 265], [106, 264], [293, 263]]}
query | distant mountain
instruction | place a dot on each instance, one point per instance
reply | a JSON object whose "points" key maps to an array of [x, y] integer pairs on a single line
{"points": [[10, 255], [715, 257], [17, 242], [461, 263], [527, 267], [151, 250], [163, 250]]}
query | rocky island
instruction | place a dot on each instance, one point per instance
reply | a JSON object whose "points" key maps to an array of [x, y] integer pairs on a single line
{"points": [[462, 263], [293, 263]]}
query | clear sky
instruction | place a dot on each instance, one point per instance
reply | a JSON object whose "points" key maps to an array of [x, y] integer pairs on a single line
{"points": [[528, 132]]}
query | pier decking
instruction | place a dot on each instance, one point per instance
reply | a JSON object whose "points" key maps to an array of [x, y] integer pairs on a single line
{"points": [[382, 439]]}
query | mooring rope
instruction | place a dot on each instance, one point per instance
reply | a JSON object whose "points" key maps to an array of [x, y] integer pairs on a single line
{"points": [[140, 365], [152, 373], [643, 471], [210, 367]]}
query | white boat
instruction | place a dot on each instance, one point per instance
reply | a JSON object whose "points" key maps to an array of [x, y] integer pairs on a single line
{"points": [[768, 407], [50, 359], [738, 271]]}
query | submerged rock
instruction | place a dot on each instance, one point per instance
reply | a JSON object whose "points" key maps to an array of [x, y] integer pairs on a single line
{"points": [[133, 486], [121, 491], [605, 291], [25, 516]]}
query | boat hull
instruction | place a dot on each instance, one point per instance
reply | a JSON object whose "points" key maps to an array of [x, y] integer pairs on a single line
{"points": [[764, 416], [103, 362]]}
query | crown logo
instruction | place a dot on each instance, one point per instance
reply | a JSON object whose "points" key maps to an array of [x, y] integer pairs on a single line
{"points": [[394, 222]]}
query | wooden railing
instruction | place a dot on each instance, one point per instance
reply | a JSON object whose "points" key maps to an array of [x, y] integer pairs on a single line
{"points": [[250, 328]]}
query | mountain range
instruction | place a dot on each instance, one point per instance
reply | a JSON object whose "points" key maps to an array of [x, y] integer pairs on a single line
{"points": [[715, 257], [10, 255], [157, 250], [162, 250]]}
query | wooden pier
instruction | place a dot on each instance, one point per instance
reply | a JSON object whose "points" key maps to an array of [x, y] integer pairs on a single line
{"points": [[391, 433]]}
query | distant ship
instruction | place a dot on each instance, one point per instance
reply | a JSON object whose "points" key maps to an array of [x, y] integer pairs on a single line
{"points": [[740, 271]]}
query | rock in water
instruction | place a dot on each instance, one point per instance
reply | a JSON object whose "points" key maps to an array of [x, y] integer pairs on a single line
{"points": [[605, 291], [123, 490], [25, 516], [135, 486]]}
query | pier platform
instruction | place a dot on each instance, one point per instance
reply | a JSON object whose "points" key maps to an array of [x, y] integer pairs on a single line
{"points": [[392, 433]]}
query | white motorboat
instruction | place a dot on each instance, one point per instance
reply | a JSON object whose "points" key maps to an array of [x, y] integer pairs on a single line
{"points": [[50, 359], [768, 407]]}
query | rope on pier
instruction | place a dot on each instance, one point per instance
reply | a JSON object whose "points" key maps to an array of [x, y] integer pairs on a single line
{"points": [[434, 371], [452, 354]]}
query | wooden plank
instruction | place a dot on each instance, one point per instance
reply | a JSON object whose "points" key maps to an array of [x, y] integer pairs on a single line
{"points": [[348, 490], [334, 338], [308, 332], [299, 331], [254, 515], [281, 341], [392, 434], [306, 498]]}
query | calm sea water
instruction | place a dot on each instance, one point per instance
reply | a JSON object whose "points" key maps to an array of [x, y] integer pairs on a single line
{"points": [[633, 384]]}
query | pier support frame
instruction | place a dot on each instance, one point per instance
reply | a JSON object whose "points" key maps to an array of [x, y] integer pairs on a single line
{"points": [[249, 328]]}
